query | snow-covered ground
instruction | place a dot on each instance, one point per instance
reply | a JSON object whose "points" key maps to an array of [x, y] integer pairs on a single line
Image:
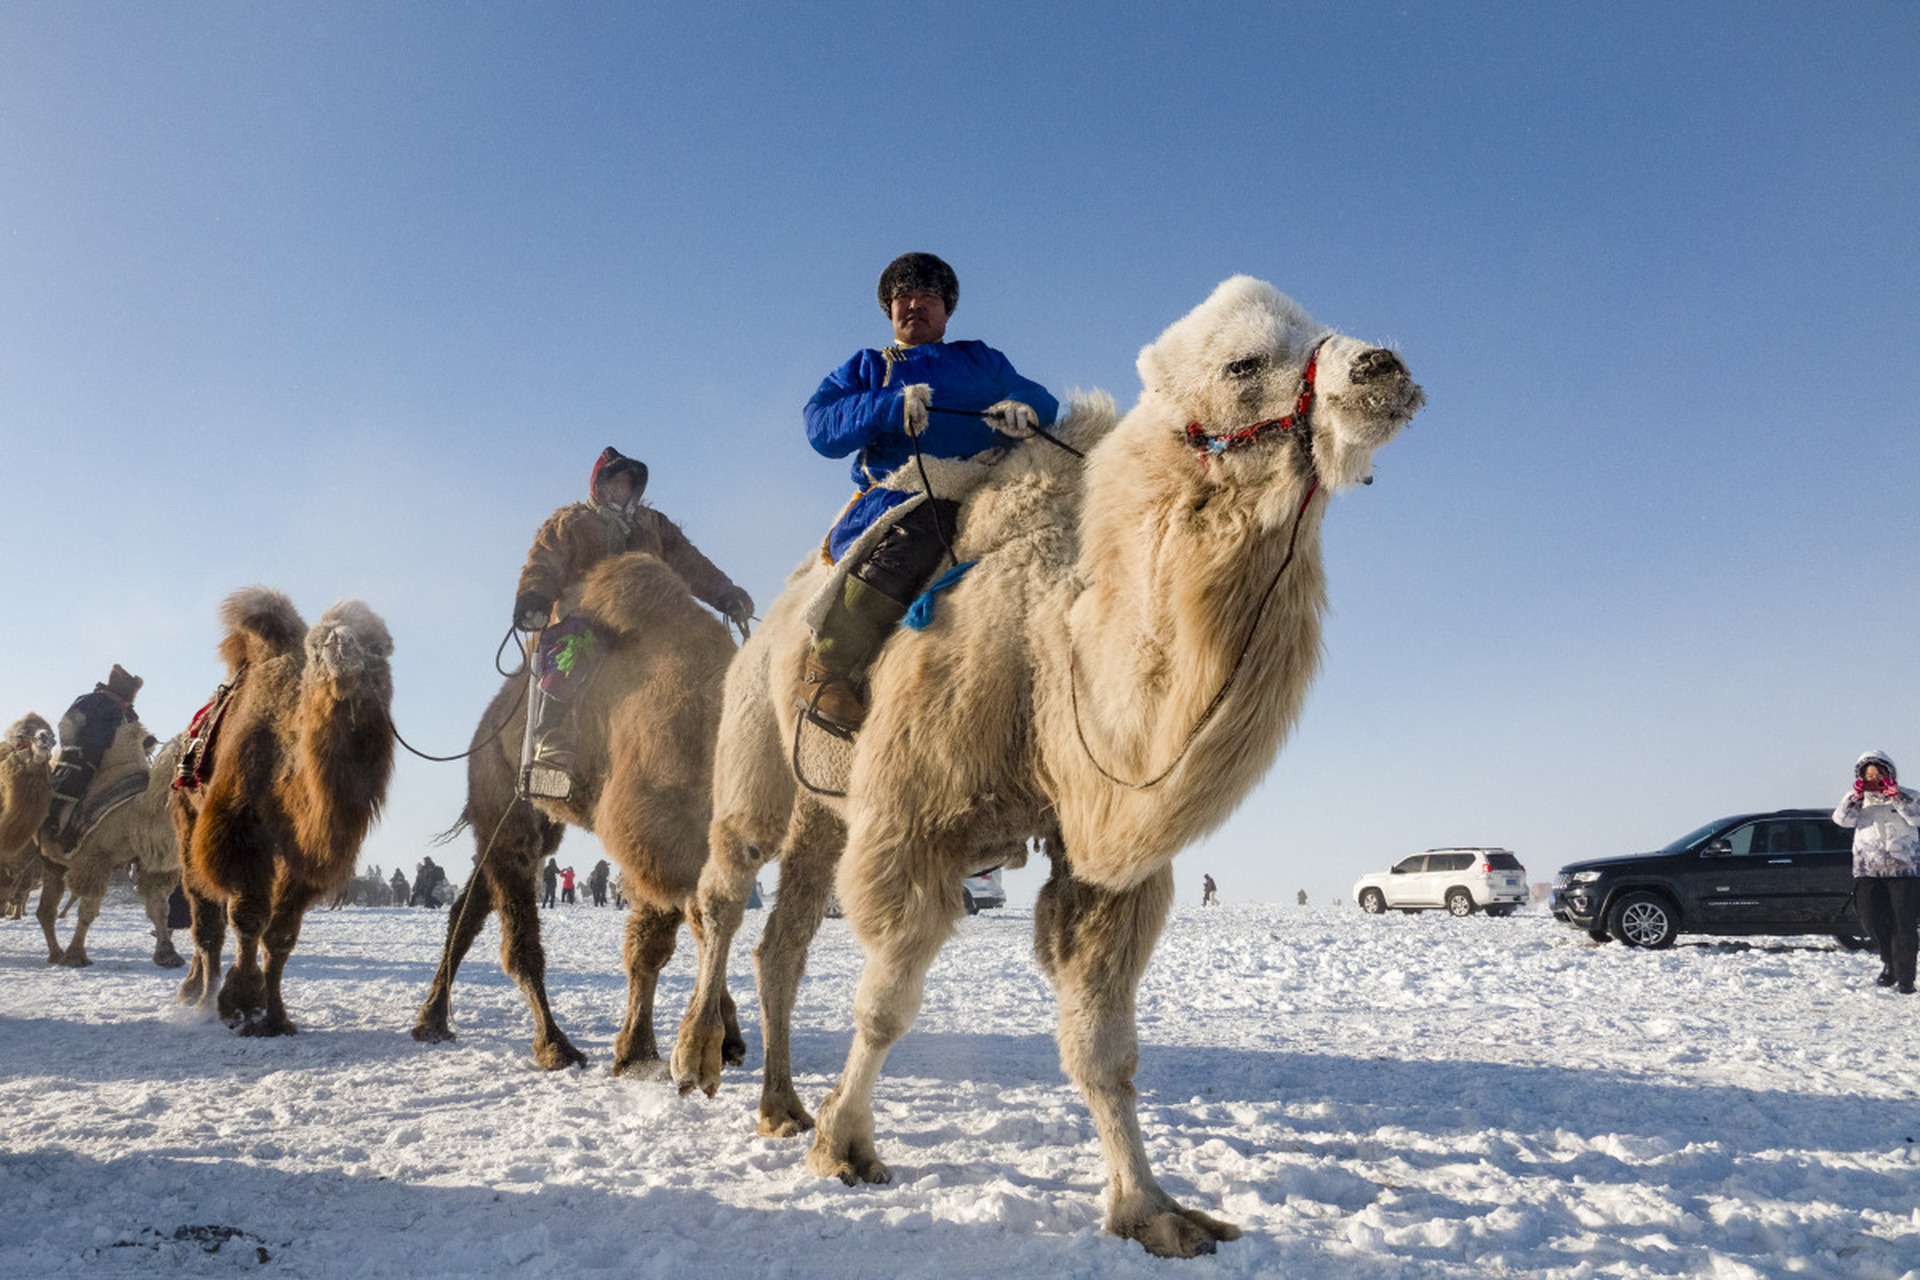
{"points": [[1402, 1096]]}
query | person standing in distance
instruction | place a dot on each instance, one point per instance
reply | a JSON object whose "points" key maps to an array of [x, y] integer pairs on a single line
{"points": [[1886, 864]]}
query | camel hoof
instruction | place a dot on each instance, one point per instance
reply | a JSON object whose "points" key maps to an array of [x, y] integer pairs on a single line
{"points": [[266, 1027], [1177, 1232], [856, 1165], [56, 957], [784, 1120], [427, 1034], [555, 1055], [734, 1053], [75, 960], [170, 960]]}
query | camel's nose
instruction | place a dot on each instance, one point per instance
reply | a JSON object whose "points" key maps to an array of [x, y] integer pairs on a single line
{"points": [[1377, 363]]}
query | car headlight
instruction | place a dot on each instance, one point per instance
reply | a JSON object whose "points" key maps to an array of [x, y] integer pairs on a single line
{"points": [[1585, 877]]}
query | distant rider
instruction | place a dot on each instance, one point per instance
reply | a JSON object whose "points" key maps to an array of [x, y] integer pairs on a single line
{"points": [[858, 410], [86, 731]]}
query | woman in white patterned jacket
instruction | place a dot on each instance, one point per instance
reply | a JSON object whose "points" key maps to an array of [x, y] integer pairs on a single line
{"points": [[1886, 864]]}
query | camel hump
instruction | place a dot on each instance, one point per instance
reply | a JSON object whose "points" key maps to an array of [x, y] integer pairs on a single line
{"points": [[636, 593], [261, 623]]}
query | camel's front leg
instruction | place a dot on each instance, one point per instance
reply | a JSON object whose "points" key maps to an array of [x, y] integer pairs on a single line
{"points": [[902, 926], [243, 992], [702, 1045], [1094, 945], [810, 853], [279, 938], [651, 934], [52, 885]]}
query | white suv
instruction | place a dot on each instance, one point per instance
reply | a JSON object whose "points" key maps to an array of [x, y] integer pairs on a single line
{"points": [[1461, 880]]}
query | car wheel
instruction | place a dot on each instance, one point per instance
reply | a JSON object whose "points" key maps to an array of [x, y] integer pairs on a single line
{"points": [[1500, 910], [966, 898], [1373, 902], [1642, 919], [1853, 941], [1459, 902], [1600, 935]]}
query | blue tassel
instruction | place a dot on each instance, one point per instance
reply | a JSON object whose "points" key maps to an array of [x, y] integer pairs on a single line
{"points": [[920, 612]]}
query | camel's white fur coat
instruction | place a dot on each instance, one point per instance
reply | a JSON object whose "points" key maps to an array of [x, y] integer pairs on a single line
{"points": [[1110, 604]]}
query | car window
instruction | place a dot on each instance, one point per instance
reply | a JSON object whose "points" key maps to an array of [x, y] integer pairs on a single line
{"points": [[1503, 862], [1829, 835], [1782, 835], [1742, 837], [1692, 838], [1460, 861], [1410, 866]]}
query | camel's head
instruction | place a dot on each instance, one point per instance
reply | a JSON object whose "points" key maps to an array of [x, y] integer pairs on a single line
{"points": [[33, 735], [1232, 377], [348, 641]]}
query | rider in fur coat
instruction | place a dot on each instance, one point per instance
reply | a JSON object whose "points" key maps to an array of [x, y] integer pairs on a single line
{"points": [[573, 540]]}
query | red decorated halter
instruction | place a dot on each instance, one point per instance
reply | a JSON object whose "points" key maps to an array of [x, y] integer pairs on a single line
{"points": [[1208, 446]]}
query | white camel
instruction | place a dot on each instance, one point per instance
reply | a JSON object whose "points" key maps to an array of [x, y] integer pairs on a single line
{"points": [[1114, 674], [137, 830]]}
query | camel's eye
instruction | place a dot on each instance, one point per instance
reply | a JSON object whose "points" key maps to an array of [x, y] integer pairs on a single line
{"points": [[1246, 367]]}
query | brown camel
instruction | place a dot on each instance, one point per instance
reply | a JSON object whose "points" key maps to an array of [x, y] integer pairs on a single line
{"points": [[645, 756], [1115, 673], [138, 830], [26, 794], [293, 778]]}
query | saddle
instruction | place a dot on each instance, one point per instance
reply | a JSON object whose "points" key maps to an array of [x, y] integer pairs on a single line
{"points": [[197, 750]]}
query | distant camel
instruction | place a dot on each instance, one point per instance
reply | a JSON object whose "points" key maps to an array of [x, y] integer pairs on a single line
{"points": [[26, 795], [138, 831], [645, 757], [293, 779], [1116, 671]]}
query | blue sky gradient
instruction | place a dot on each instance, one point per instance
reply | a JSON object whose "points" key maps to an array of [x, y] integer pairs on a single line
{"points": [[345, 299]]}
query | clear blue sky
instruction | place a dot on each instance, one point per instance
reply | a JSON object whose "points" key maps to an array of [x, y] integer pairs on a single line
{"points": [[345, 298]]}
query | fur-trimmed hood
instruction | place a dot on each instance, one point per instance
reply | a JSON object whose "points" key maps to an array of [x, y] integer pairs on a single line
{"points": [[1876, 757]]}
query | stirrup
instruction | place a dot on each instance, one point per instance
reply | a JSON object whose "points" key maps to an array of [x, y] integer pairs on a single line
{"points": [[544, 782]]}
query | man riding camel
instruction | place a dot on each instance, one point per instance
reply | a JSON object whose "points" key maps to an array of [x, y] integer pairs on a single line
{"points": [[86, 731], [573, 540], [859, 410]]}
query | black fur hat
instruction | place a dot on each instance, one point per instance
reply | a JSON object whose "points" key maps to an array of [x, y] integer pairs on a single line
{"points": [[918, 272]]}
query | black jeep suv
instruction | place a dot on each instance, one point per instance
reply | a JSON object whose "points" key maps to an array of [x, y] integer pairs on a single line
{"points": [[1790, 871]]}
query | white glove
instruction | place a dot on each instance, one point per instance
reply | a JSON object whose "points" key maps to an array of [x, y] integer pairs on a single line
{"points": [[913, 413], [1011, 418]]}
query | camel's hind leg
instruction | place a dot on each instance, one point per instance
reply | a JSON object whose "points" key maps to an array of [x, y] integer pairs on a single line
{"points": [[811, 851], [88, 885], [1094, 945], [53, 883], [155, 888], [902, 926], [209, 933], [651, 934]]}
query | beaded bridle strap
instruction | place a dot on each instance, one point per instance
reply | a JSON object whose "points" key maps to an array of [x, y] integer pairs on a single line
{"points": [[1210, 445]]}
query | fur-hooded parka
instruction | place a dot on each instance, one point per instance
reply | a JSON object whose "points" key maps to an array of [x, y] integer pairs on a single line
{"points": [[579, 536], [1886, 828]]}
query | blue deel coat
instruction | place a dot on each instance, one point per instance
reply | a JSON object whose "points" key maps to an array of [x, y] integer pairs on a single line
{"points": [[858, 411]]}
